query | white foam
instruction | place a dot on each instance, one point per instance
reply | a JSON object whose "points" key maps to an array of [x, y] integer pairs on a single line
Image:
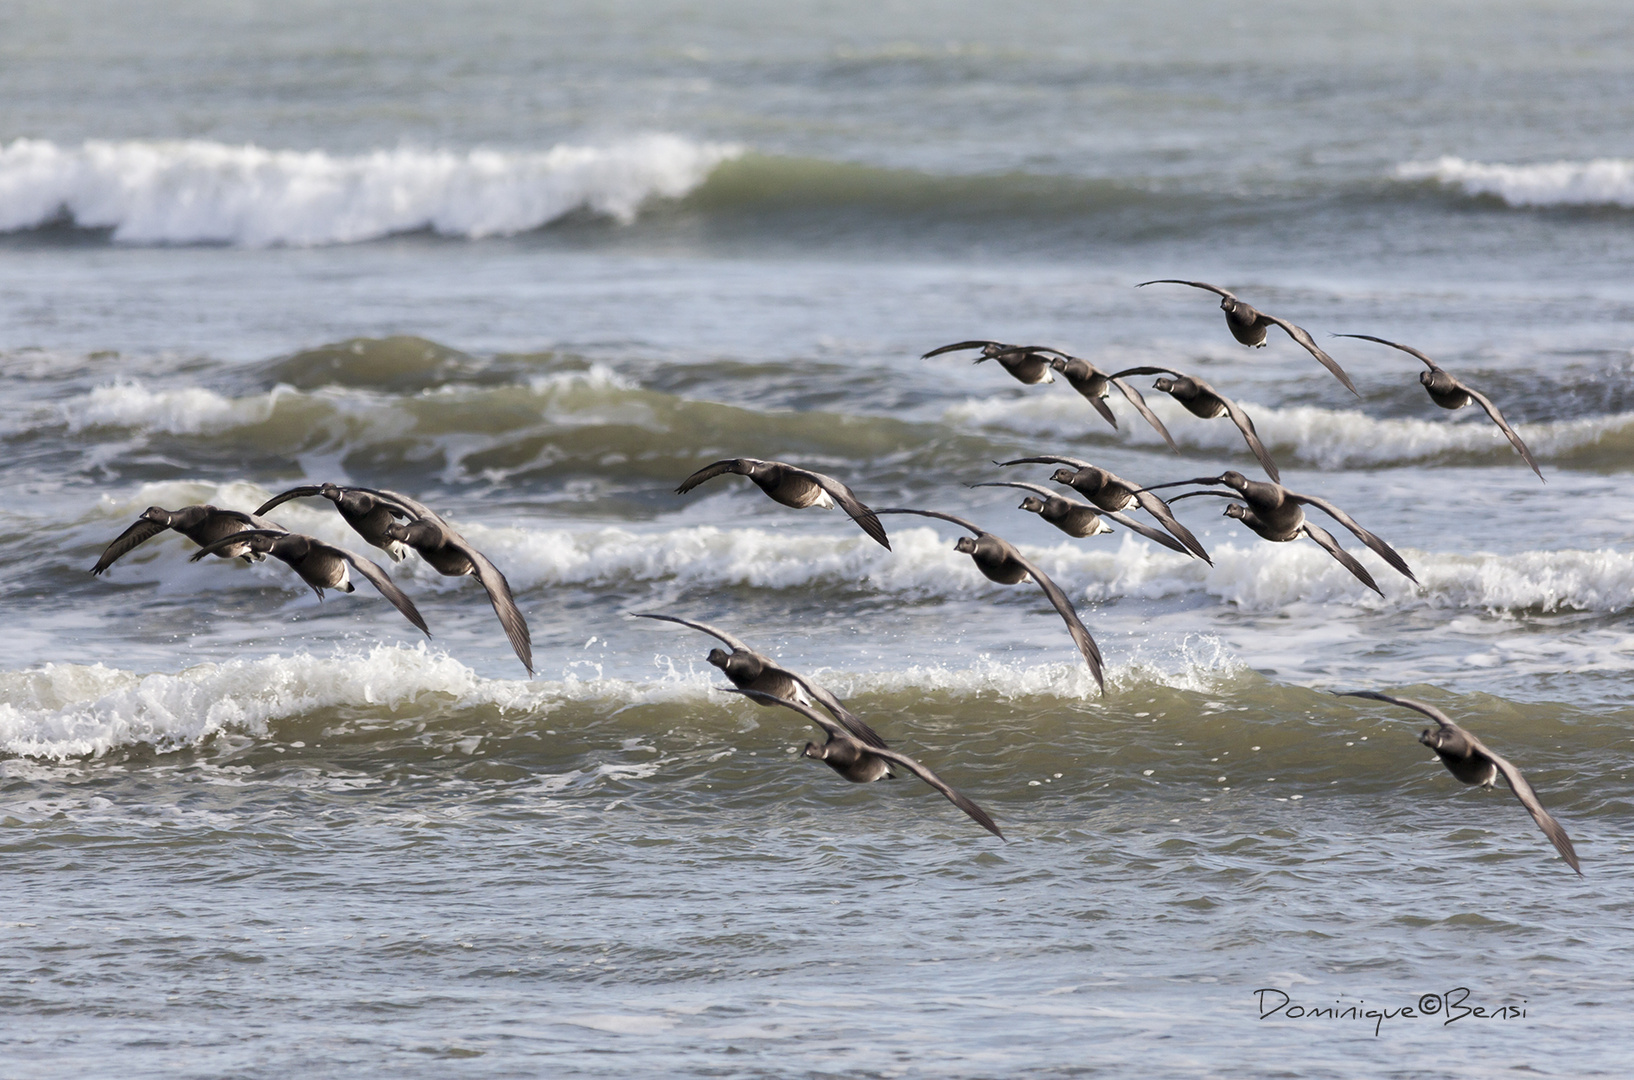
{"points": [[194, 191], [67, 710], [1601, 182], [1331, 438], [193, 410]]}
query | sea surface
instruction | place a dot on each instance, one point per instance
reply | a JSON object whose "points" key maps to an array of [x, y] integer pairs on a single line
{"points": [[534, 263]]}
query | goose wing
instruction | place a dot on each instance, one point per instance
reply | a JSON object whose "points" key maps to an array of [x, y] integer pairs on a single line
{"points": [[1503, 425], [404, 507], [959, 521], [1159, 509], [1145, 410], [1384, 550], [860, 513], [1150, 533], [731, 642], [305, 491], [1404, 348], [1037, 489], [1298, 334], [245, 536], [1069, 615], [1245, 424], [499, 595], [381, 581], [1346, 559], [138, 534], [1047, 459], [977, 814], [848, 719], [1194, 284], [957, 345], [1529, 799], [709, 472], [1431, 711]]}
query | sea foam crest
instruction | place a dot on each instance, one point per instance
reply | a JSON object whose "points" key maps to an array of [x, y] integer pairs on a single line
{"points": [[207, 192], [1601, 182], [1331, 438]]}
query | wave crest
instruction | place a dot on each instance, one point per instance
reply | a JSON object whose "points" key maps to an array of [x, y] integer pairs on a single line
{"points": [[205, 192], [1601, 182]]}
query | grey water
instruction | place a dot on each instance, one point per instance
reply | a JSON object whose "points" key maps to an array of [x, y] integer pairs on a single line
{"points": [[535, 263]]}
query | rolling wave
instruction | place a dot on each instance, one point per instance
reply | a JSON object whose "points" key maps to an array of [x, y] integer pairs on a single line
{"points": [[922, 565], [204, 192], [597, 414], [1601, 182]]}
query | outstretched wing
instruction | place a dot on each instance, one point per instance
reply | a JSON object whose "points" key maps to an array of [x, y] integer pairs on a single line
{"points": [[1298, 334], [849, 502], [306, 491], [1246, 425], [1150, 533], [731, 642], [957, 345], [244, 536], [1069, 615], [1529, 799], [1148, 370], [1404, 348], [850, 720], [959, 521], [1037, 489], [139, 533], [1431, 711], [1194, 284], [1140, 405], [383, 583], [1160, 510], [1346, 559], [834, 730], [1503, 425], [1047, 459], [499, 595], [402, 506], [977, 814], [709, 472], [1384, 550]]}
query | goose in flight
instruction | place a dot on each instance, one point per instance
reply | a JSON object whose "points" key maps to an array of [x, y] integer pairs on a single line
{"points": [[796, 487], [1247, 324], [1202, 400], [1080, 519], [1030, 364], [863, 764], [1467, 758], [203, 524], [1111, 492], [751, 670], [322, 566], [999, 561], [1452, 393], [364, 510], [1275, 513]]}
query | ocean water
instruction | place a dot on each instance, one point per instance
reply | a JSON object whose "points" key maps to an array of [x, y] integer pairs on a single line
{"points": [[535, 263]]}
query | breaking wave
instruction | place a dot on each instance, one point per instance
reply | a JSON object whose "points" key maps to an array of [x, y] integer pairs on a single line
{"points": [[1601, 182], [205, 192]]}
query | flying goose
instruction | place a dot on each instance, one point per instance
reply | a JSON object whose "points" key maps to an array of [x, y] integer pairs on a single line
{"points": [[796, 487], [1467, 758], [322, 566], [999, 561], [1248, 325], [751, 670], [863, 764]]}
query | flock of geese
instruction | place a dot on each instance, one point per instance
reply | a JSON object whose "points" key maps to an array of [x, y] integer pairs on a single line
{"points": [[397, 524]]}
